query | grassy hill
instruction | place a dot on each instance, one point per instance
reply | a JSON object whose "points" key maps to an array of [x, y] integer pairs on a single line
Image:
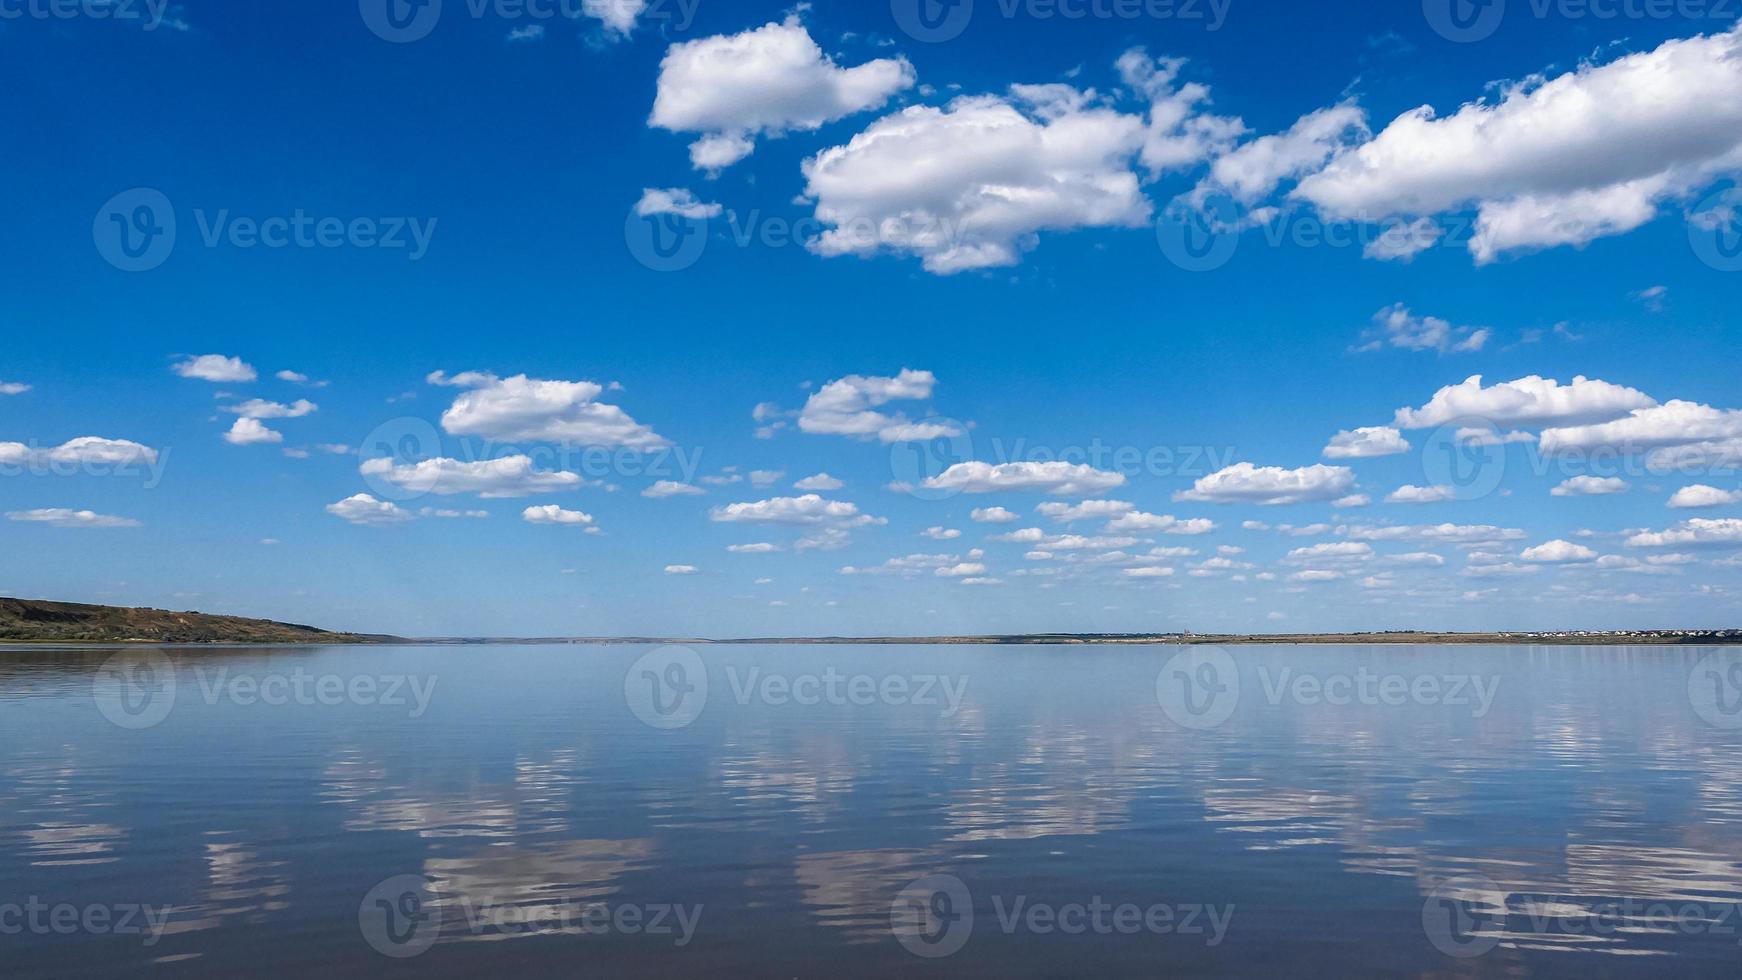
{"points": [[34, 620]]}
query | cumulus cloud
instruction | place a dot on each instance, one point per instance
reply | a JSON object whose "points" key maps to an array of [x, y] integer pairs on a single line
{"points": [[1459, 534], [1557, 552], [617, 16], [810, 509], [1055, 477], [215, 368], [994, 515], [755, 548], [1593, 152], [972, 184], [1409, 494], [671, 488], [552, 514], [675, 200], [1589, 486], [1395, 326], [527, 409], [1330, 551], [13, 388], [1700, 495], [847, 407], [260, 408], [821, 481], [66, 517], [507, 476], [1270, 485], [365, 509], [1698, 532], [681, 569], [1366, 442], [1674, 423], [83, 450], [1253, 170], [941, 533], [251, 432], [771, 80], [1177, 132], [1529, 401]]}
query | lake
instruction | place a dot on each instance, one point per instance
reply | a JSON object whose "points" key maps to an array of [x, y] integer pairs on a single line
{"points": [[858, 811]]}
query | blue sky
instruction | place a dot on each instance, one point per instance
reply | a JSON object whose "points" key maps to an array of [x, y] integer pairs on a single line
{"points": [[913, 254]]}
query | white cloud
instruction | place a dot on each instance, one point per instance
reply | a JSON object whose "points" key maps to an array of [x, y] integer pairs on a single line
{"points": [[1330, 551], [1530, 401], [821, 481], [940, 533], [768, 81], [1698, 532], [260, 408], [1253, 170], [966, 569], [1315, 575], [846, 407], [765, 478], [1055, 477], [65, 517], [364, 509], [618, 16], [215, 368], [809, 509], [1589, 486], [449, 514], [1700, 495], [1441, 533], [1270, 485], [681, 569], [552, 514], [1149, 571], [84, 449], [1557, 552], [994, 515], [1425, 558], [671, 488], [1366, 442], [1409, 494], [527, 409], [1352, 500], [1176, 132], [250, 432], [757, 548], [675, 200], [1673, 423], [528, 32], [971, 185], [1592, 152], [13, 388], [507, 476], [1165, 523], [1396, 326]]}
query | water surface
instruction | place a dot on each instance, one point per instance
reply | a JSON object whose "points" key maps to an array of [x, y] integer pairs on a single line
{"points": [[855, 811]]}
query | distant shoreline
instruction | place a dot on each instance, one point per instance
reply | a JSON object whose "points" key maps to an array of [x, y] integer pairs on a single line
{"points": [[37, 621]]}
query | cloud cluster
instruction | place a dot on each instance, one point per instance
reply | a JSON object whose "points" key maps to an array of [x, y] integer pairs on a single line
{"points": [[532, 410], [768, 81], [1270, 485], [848, 407]]}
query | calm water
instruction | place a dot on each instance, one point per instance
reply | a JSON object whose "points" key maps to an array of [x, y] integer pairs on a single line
{"points": [[857, 811]]}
